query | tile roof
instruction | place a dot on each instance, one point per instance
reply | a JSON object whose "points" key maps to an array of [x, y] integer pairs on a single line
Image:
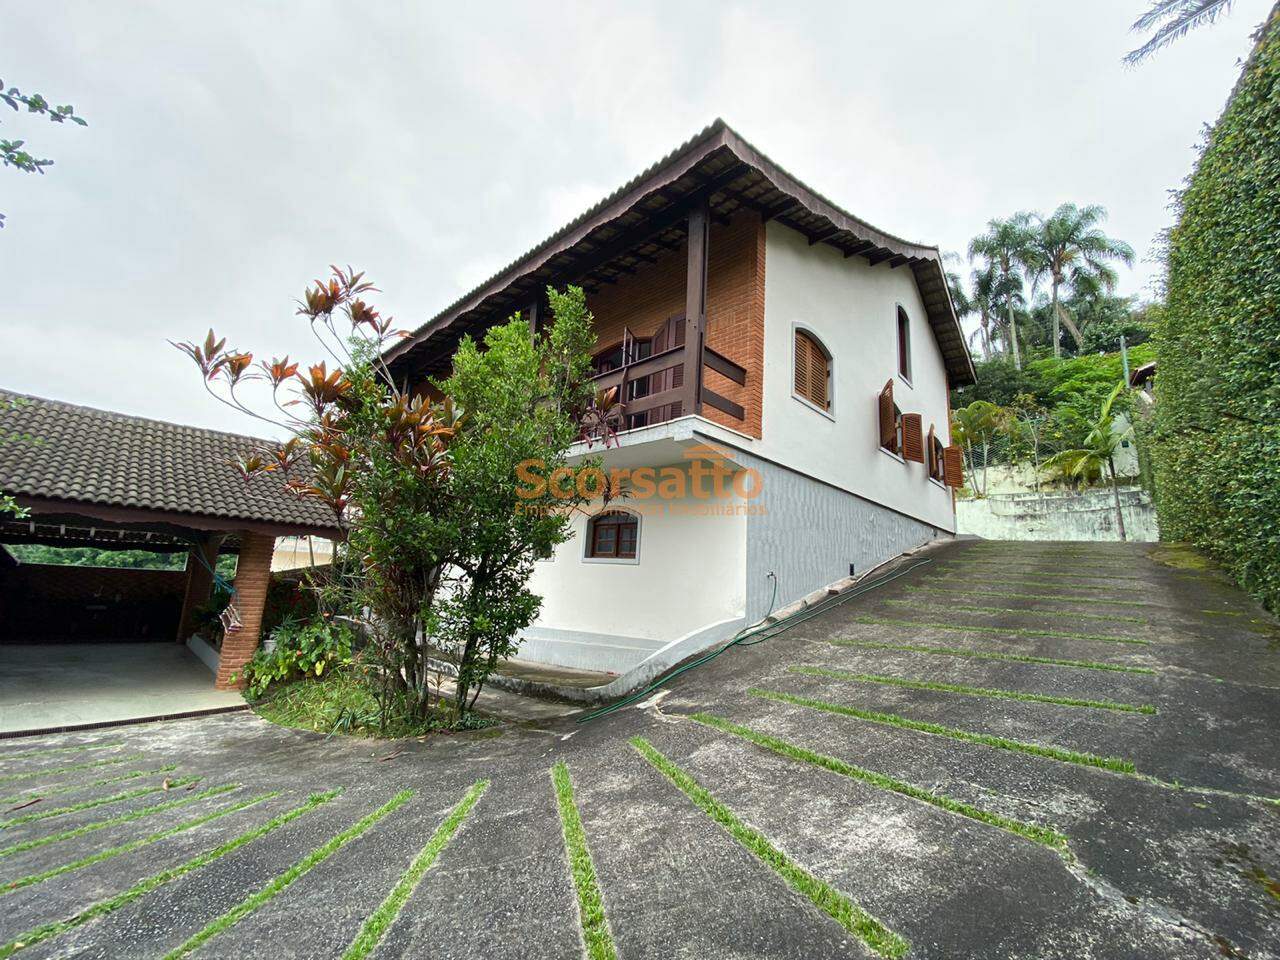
{"points": [[97, 457], [692, 161]]}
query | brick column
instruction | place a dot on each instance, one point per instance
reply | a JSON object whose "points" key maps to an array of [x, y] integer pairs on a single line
{"points": [[201, 559], [253, 574]]}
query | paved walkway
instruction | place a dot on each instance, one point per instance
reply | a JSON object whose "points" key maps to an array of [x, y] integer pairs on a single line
{"points": [[1015, 750], [56, 685]]}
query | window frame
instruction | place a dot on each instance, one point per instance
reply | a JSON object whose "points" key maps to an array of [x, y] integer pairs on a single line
{"points": [[902, 343], [896, 453], [589, 539], [934, 457], [799, 329]]}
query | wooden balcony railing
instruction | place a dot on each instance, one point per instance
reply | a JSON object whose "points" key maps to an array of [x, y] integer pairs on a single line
{"points": [[658, 388]]}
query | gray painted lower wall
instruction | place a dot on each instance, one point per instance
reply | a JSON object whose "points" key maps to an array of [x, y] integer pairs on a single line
{"points": [[809, 534]]}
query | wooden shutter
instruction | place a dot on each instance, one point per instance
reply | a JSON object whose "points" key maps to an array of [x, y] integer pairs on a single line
{"points": [[802, 364], [888, 422], [912, 441], [813, 371], [952, 467]]}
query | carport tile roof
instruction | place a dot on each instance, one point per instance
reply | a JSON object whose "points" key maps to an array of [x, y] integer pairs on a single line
{"points": [[62, 451]]}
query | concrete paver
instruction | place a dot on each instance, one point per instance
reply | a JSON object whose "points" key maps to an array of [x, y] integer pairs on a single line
{"points": [[1177, 859]]}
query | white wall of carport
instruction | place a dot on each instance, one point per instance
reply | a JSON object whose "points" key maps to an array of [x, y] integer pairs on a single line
{"points": [[851, 307]]}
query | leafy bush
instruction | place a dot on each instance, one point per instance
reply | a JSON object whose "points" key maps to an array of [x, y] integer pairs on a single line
{"points": [[1217, 427], [301, 650]]}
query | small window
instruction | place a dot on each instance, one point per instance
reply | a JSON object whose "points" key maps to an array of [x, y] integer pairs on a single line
{"points": [[897, 431], [613, 535], [904, 345], [935, 448], [813, 371]]}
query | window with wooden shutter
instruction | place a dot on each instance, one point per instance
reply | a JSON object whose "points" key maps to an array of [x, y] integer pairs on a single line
{"points": [[912, 437], [888, 419], [812, 371], [933, 451], [952, 467]]}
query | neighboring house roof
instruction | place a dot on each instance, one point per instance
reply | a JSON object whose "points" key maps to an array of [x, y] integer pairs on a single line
{"points": [[646, 214], [68, 454], [1143, 374]]}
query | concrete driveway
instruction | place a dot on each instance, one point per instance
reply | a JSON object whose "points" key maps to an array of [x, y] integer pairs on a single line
{"points": [[1014, 750], [58, 685]]}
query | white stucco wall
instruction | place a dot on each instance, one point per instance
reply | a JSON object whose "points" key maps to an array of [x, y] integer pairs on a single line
{"points": [[690, 574], [851, 307]]}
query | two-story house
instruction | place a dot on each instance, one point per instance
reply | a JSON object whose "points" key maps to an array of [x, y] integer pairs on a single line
{"points": [[753, 328]]}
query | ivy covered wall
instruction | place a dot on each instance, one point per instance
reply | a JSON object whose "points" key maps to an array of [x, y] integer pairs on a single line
{"points": [[1217, 428]]}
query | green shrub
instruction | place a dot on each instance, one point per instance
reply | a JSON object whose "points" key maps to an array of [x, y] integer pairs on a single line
{"points": [[301, 650], [1217, 429]]}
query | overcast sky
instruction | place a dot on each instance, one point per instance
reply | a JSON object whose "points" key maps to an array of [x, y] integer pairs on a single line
{"points": [[235, 149]]}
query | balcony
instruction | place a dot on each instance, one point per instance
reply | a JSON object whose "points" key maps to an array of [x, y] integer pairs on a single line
{"points": [[654, 387]]}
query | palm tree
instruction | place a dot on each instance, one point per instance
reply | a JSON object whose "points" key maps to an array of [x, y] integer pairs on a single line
{"points": [[1005, 247], [963, 305], [1171, 20], [1098, 451], [1071, 250], [980, 302], [978, 423]]}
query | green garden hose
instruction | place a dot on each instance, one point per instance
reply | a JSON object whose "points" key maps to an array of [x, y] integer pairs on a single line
{"points": [[757, 633]]}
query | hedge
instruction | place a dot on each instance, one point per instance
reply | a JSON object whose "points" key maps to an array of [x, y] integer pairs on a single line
{"points": [[1217, 428]]}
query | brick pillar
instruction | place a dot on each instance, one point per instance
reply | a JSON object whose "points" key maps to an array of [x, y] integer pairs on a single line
{"points": [[253, 574], [202, 557]]}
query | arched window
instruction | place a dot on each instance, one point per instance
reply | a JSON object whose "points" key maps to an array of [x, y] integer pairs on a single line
{"points": [[904, 345], [613, 535], [813, 370]]}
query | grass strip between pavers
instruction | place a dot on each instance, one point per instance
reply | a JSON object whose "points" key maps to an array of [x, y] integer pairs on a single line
{"points": [[825, 897], [35, 794], [58, 771], [983, 565], [973, 593], [74, 748], [993, 692], [1114, 764], [376, 926], [596, 935], [1030, 580], [141, 841], [1042, 835], [97, 802], [286, 879], [1022, 611], [55, 928], [127, 817], [1003, 631], [990, 655]]}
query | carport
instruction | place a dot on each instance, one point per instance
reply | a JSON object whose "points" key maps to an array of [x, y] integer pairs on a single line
{"points": [[83, 645]]}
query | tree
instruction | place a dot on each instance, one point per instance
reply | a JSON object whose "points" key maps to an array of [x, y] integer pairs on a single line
{"points": [[1004, 248], [1098, 451], [11, 151], [421, 489], [978, 423], [1171, 20], [1071, 250], [524, 396]]}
